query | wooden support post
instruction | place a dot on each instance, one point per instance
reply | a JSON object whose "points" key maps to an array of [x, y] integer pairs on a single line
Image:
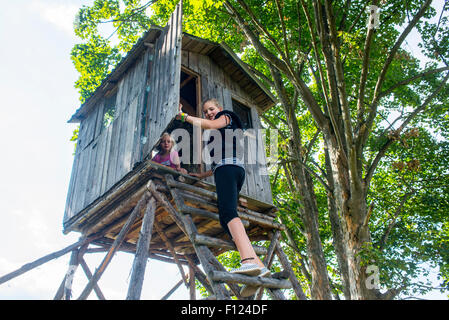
{"points": [[219, 267], [202, 278], [142, 251], [60, 292], [192, 286], [219, 289], [29, 266], [172, 251], [73, 265], [291, 274], [174, 214], [204, 254], [177, 217], [115, 246], [276, 294]]}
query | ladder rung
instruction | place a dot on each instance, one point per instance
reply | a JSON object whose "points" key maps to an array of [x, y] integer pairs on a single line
{"points": [[266, 282]]}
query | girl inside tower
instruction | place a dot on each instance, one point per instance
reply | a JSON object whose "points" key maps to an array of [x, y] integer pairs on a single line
{"points": [[166, 154]]}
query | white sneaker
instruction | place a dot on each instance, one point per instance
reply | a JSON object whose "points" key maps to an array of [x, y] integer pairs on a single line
{"points": [[249, 269], [264, 272]]}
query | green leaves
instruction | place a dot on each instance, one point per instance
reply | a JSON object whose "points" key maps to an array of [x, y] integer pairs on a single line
{"points": [[93, 60]]}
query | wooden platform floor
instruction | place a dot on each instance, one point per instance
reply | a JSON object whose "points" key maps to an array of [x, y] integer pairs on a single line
{"points": [[108, 214]]}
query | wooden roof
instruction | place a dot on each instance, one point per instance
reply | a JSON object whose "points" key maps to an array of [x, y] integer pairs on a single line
{"points": [[226, 59], [219, 53]]}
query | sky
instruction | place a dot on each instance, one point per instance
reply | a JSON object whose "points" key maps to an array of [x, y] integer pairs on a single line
{"points": [[37, 97]]}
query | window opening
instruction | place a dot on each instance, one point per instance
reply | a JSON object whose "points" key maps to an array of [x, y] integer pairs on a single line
{"points": [[244, 114], [190, 99], [109, 110]]}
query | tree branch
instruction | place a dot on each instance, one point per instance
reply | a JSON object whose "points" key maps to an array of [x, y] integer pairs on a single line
{"points": [[261, 28], [407, 81], [387, 144], [365, 129], [383, 240], [271, 124], [364, 73], [340, 81], [284, 34], [332, 99]]}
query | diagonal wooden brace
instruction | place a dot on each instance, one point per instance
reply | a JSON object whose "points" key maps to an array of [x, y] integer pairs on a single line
{"points": [[114, 247]]}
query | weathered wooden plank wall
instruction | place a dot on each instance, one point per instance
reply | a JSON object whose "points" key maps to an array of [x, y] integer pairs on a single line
{"points": [[163, 94], [105, 155], [216, 83]]}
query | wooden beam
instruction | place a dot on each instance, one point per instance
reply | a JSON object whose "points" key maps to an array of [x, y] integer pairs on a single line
{"points": [[185, 81], [172, 250], [29, 266], [219, 290], [168, 294], [229, 245], [60, 292], [245, 214], [227, 277], [192, 287], [219, 267], [115, 246], [202, 278], [73, 265], [211, 195], [142, 251], [174, 214], [267, 261], [287, 267]]}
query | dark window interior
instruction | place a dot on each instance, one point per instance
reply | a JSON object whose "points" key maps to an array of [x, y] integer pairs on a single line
{"points": [[188, 93], [109, 110], [244, 113]]}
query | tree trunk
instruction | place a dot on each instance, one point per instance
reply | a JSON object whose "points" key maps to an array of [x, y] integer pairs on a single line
{"points": [[353, 215], [337, 232], [320, 288]]}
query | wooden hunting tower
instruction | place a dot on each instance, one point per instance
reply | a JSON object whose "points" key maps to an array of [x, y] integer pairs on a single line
{"points": [[118, 199]]}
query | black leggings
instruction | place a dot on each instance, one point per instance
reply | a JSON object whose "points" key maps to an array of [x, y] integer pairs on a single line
{"points": [[229, 181]]}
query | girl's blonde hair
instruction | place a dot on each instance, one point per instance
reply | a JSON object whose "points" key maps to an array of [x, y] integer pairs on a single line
{"points": [[214, 101], [165, 134]]}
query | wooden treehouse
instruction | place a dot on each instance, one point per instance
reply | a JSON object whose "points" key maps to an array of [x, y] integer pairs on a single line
{"points": [[118, 199]]}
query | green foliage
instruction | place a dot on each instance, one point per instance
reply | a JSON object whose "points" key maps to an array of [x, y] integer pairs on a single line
{"points": [[93, 60], [409, 192]]}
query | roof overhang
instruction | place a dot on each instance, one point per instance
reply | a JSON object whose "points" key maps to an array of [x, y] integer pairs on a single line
{"points": [[239, 72], [221, 54]]}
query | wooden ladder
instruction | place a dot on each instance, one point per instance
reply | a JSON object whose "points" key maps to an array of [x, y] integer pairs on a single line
{"points": [[216, 274], [175, 197]]}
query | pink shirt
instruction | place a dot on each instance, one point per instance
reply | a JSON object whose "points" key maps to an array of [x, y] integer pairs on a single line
{"points": [[166, 160]]}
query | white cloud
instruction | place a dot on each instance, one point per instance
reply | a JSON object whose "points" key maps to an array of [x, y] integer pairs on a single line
{"points": [[60, 15]]}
